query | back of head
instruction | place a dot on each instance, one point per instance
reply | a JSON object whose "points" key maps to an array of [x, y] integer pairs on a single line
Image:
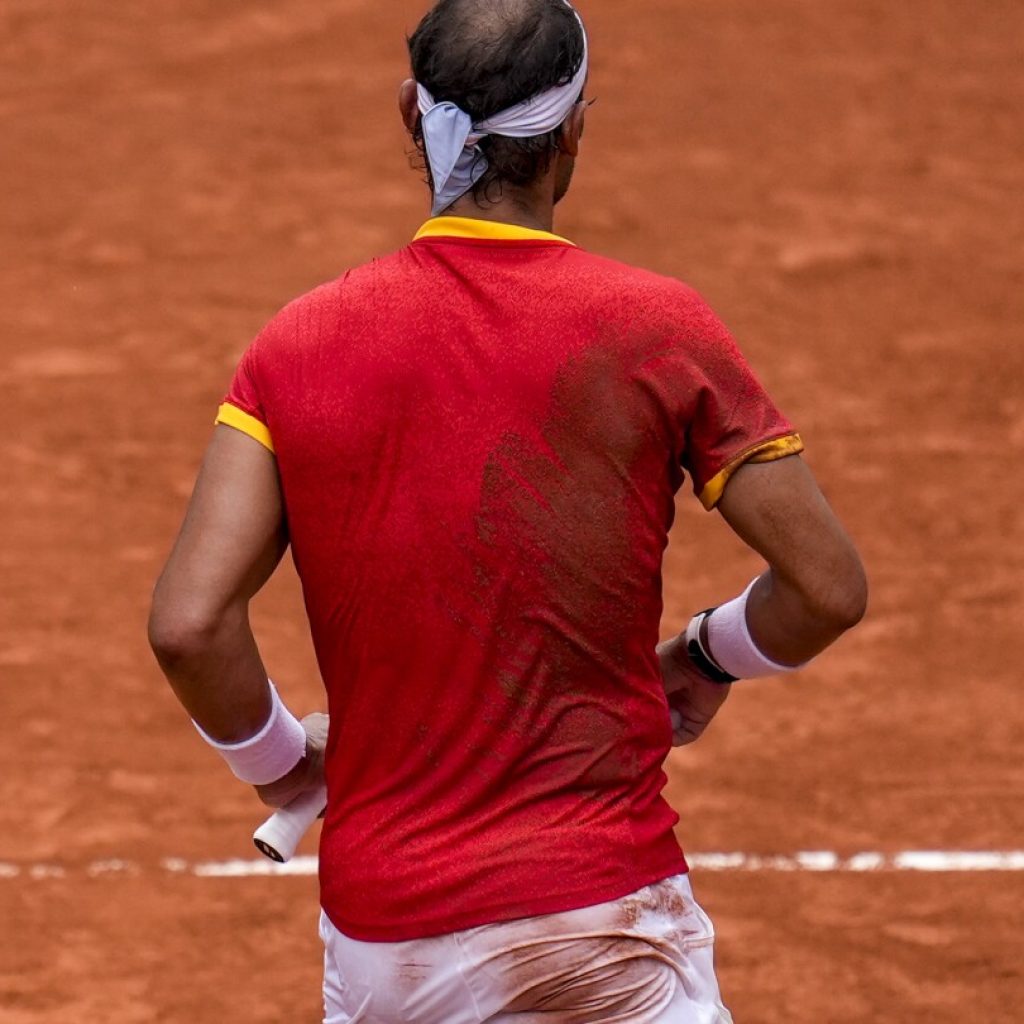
{"points": [[486, 56]]}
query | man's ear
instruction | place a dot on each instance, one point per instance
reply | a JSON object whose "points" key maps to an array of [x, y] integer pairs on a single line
{"points": [[408, 104], [572, 130]]}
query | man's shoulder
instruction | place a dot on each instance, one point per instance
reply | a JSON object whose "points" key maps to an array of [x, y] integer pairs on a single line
{"points": [[343, 287], [638, 287], [618, 273], [327, 302]]}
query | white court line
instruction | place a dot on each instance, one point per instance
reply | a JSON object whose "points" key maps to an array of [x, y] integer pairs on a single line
{"points": [[934, 860], [248, 868], [815, 861]]}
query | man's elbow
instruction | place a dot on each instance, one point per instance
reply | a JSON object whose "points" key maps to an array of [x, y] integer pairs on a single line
{"points": [[843, 601], [180, 631]]}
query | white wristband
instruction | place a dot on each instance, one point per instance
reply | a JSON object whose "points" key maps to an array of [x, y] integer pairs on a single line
{"points": [[269, 755], [731, 645]]}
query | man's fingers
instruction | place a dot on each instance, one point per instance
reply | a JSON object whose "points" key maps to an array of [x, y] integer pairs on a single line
{"points": [[679, 735], [688, 721], [693, 700], [308, 774], [316, 726], [688, 732], [684, 737]]}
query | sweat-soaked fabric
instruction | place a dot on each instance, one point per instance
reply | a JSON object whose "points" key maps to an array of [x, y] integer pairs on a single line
{"points": [[479, 441]]}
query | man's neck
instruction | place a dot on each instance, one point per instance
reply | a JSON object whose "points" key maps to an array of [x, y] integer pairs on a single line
{"points": [[514, 207]]}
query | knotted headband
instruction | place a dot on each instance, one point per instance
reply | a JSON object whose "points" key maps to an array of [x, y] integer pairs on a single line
{"points": [[451, 138]]}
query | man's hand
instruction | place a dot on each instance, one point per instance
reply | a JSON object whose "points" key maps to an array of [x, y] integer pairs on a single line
{"points": [[308, 773], [693, 699]]}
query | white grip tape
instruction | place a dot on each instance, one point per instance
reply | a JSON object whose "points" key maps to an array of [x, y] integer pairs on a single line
{"points": [[732, 646], [279, 836]]}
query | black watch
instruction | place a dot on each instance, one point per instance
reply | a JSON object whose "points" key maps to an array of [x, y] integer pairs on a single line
{"points": [[700, 656]]}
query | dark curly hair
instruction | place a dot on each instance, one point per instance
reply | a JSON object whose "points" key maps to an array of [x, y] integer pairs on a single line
{"points": [[488, 55]]}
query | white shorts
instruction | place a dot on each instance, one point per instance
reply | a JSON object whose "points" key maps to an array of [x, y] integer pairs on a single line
{"points": [[646, 959]]}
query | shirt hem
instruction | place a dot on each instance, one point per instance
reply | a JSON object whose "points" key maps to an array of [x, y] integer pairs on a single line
{"points": [[429, 928]]}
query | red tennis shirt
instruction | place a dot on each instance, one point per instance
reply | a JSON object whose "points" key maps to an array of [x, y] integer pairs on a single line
{"points": [[479, 439]]}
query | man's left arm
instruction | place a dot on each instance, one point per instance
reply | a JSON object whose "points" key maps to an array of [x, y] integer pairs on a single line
{"points": [[232, 539]]}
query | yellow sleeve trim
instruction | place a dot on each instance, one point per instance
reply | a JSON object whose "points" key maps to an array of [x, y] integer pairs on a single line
{"points": [[768, 451], [232, 416]]}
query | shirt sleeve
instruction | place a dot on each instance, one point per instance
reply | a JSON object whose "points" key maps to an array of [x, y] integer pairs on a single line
{"points": [[242, 408], [731, 419]]}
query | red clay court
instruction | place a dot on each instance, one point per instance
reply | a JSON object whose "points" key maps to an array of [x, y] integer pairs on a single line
{"points": [[841, 180]]}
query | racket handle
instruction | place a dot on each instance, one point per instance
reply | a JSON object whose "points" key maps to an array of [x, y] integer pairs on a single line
{"points": [[279, 836]]}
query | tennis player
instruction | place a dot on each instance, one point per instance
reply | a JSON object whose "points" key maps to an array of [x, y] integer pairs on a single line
{"points": [[472, 447]]}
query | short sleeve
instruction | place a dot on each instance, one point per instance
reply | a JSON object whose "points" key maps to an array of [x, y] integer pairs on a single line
{"points": [[732, 419], [242, 407]]}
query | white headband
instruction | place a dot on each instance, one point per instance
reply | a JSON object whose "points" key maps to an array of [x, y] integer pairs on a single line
{"points": [[456, 161]]}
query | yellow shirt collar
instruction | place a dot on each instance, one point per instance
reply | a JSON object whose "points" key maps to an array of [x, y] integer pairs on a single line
{"points": [[468, 227]]}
